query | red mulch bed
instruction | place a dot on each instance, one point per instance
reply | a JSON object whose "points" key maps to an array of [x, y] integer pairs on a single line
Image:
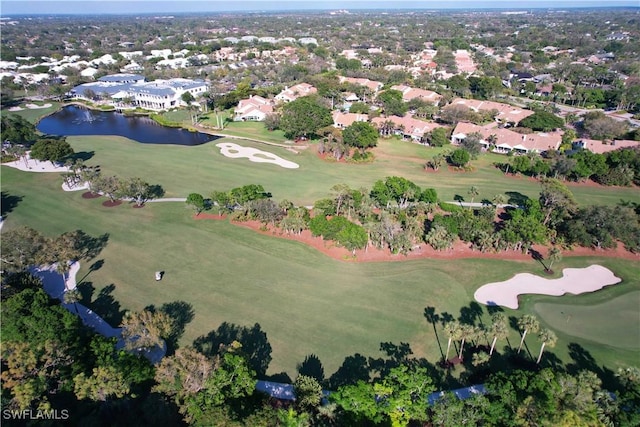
{"points": [[110, 204], [135, 206], [90, 195], [459, 250]]}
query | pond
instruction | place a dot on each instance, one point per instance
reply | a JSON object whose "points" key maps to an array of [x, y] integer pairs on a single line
{"points": [[74, 120]]}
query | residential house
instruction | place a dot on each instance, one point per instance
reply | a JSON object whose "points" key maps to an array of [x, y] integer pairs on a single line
{"points": [[506, 113], [408, 127], [343, 120], [373, 86], [599, 147], [294, 92], [255, 108], [501, 140], [409, 93]]}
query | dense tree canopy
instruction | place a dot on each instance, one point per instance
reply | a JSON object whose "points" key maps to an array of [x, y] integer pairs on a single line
{"points": [[304, 117]]}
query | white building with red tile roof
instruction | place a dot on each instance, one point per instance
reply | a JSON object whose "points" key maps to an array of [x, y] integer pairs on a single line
{"points": [[598, 147], [464, 62], [506, 113], [373, 85], [294, 92], [407, 126], [343, 120], [505, 140], [409, 93], [255, 108]]}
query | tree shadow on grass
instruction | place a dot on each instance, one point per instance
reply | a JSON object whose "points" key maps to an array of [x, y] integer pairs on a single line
{"points": [[516, 198], [582, 360], [353, 369], [106, 306], [255, 345], [8, 202], [82, 155], [89, 246], [312, 367], [181, 313]]}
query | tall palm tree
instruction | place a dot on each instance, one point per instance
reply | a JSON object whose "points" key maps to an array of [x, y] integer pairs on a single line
{"points": [[548, 338], [466, 332], [555, 255], [473, 192], [527, 323], [72, 296], [452, 329], [499, 329]]}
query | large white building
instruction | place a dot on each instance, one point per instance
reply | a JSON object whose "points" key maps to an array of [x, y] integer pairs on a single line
{"points": [[157, 95]]}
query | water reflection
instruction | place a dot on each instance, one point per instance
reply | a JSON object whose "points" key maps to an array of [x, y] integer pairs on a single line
{"points": [[74, 120]]}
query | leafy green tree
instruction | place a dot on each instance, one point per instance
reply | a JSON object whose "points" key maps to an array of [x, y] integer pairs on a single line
{"points": [[140, 191], [304, 117], [459, 157], [50, 149], [438, 137], [308, 393], [105, 383], [17, 130], [542, 121], [110, 186], [21, 248], [556, 200], [472, 144], [360, 135], [196, 202], [145, 329], [392, 102]]}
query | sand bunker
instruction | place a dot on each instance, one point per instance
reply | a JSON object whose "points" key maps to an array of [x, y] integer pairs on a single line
{"points": [[30, 106], [573, 281], [235, 151], [33, 165]]}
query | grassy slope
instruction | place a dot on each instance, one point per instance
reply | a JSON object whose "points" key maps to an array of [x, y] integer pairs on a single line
{"points": [[306, 302], [181, 170]]}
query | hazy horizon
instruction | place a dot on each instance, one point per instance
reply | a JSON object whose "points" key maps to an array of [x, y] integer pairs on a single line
{"points": [[123, 7]]}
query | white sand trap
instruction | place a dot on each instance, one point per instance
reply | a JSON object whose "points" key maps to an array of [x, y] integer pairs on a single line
{"points": [[235, 151], [573, 281], [36, 106], [33, 165]]}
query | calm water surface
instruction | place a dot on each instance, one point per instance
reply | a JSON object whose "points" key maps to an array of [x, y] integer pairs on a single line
{"points": [[74, 120]]}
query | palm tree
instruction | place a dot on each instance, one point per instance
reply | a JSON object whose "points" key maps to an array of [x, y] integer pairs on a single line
{"points": [[466, 332], [480, 358], [473, 192], [555, 255], [498, 329], [72, 296], [548, 338], [452, 329], [498, 200], [527, 323]]}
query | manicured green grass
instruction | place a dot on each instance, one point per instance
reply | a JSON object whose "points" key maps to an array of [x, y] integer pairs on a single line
{"points": [[595, 322], [182, 170], [35, 114], [306, 302]]}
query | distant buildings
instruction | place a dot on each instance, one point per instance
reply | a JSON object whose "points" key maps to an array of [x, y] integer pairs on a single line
{"points": [[132, 89]]}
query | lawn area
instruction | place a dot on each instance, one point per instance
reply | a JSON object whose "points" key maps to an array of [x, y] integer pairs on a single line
{"points": [[182, 170], [305, 302]]}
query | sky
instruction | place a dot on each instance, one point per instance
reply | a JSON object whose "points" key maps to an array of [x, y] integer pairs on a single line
{"points": [[35, 7]]}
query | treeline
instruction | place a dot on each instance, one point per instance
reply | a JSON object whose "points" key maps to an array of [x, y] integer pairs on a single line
{"points": [[619, 167], [399, 216]]}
